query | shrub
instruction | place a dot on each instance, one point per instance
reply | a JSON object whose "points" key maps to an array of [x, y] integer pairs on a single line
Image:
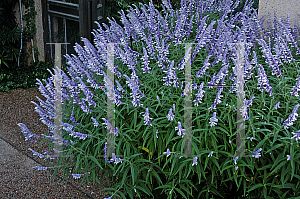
{"points": [[14, 74], [150, 106], [10, 38], [25, 77]]}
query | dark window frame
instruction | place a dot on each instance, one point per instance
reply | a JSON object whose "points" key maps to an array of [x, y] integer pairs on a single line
{"points": [[85, 12]]}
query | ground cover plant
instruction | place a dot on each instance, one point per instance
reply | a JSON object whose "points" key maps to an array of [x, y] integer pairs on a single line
{"points": [[149, 105]]}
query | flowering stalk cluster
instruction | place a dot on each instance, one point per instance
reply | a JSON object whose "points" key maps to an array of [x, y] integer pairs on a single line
{"points": [[161, 33], [292, 117]]}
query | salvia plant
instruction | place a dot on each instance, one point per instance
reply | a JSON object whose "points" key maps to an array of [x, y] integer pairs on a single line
{"points": [[150, 90]]}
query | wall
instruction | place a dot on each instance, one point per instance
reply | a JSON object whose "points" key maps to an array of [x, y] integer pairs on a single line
{"points": [[282, 8]]}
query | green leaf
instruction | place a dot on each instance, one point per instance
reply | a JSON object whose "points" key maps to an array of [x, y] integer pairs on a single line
{"points": [[132, 174], [292, 161], [96, 161], [255, 187], [157, 176], [278, 159], [181, 193], [125, 175], [278, 167], [285, 186]]}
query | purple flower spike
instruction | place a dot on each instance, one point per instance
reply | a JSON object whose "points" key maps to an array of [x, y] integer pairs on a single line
{"points": [[199, 94], [40, 168], [217, 100], [211, 153], [277, 106], [235, 159], [95, 122], [27, 133], [36, 153], [213, 120], [147, 118], [195, 161], [180, 130], [77, 176], [171, 76], [288, 157], [49, 155], [170, 115], [146, 62], [291, 118], [257, 154], [168, 152], [116, 131], [115, 159], [296, 136], [263, 81], [296, 89]]}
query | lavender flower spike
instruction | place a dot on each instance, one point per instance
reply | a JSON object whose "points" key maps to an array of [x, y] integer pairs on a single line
{"points": [[296, 136], [277, 106], [115, 159], [199, 94], [195, 161], [170, 115], [288, 157], [26, 131], [40, 168], [211, 153], [180, 130], [147, 118], [296, 89], [213, 120], [79, 135], [36, 153], [168, 152], [263, 81], [257, 154], [291, 118], [95, 122], [235, 159], [76, 176]]}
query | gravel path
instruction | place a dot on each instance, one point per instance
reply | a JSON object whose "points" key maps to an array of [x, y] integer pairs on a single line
{"points": [[18, 178]]}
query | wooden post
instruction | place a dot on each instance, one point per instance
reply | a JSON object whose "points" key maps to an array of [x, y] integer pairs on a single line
{"points": [[84, 20]]}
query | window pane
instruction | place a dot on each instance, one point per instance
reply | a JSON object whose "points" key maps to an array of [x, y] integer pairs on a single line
{"points": [[64, 31], [57, 31], [73, 35]]}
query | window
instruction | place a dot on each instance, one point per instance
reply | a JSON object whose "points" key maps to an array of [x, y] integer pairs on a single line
{"points": [[66, 21]]}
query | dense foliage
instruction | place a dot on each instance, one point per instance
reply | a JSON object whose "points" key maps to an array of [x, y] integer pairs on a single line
{"points": [[9, 36], [113, 7], [149, 101], [13, 76], [23, 75]]}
